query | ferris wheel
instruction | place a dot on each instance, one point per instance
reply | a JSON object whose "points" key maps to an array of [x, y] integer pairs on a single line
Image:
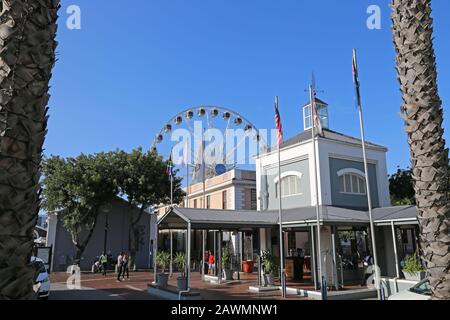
{"points": [[209, 141]]}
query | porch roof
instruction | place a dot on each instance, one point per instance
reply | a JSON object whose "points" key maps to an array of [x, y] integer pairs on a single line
{"points": [[209, 219]]}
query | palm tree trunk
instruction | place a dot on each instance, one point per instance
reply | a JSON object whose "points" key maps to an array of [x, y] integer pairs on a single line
{"points": [[27, 56], [422, 110]]}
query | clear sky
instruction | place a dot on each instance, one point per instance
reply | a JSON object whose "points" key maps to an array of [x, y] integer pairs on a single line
{"points": [[134, 64]]}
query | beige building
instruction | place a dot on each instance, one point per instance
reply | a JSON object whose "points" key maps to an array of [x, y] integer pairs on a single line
{"points": [[233, 190]]}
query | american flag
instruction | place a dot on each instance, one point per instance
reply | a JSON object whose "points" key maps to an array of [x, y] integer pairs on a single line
{"points": [[317, 122], [278, 125], [356, 79]]}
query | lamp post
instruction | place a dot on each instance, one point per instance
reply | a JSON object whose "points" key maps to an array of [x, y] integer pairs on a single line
{"points": [[106, 209]]}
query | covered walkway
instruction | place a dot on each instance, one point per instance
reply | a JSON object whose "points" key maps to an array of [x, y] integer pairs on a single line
{"points": [[334, 221]]}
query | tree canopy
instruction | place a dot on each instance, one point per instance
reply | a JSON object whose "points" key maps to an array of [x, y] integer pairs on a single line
{"points": [[79, 187]]}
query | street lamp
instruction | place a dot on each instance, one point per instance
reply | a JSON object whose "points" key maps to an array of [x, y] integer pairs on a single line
{"points": [[106, 209]]}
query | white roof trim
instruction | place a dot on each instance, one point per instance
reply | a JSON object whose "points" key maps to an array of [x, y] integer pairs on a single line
{"points": [[288, 174], [351, 170]]}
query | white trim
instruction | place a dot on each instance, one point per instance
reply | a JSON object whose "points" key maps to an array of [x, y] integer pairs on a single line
{"points": [[350, 170], [288, 174]]}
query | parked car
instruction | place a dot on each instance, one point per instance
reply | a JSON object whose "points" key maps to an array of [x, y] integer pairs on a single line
{"points": [[42, 279], [420, 291]]}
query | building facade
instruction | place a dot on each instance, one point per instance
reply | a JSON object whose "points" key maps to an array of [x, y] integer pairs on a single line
{"points": [[111, 231]]}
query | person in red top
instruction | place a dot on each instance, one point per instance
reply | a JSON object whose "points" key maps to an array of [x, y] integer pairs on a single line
{"points": [[211, 266]]}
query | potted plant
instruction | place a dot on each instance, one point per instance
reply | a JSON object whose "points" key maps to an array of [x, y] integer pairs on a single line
{"points": [[180, 262], [248, 266], [162, 260], [269, 267], [227, 257], [412, 268]]}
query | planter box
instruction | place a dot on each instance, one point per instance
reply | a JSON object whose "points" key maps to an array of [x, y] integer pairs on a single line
{"points": [[162, 279], [182, 283], [228, 274], [248, 266], [269, 280], [416, 276]]}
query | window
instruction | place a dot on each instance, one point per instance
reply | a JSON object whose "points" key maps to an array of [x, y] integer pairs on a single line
{"points": [[208, 202], [307, 117], [253, 203], [290, 186], [224, 200], [195, 203], [352, 183]]}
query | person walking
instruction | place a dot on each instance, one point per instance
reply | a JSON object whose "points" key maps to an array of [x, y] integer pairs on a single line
{"points": [[119, 266], [211, 266], [125, 266], [103, 260]]}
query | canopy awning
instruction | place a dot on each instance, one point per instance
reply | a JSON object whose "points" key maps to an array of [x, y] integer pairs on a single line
{"points": [[238, 220], [208, 219]]}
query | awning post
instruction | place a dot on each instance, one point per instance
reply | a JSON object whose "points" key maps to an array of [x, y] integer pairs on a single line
{"points": [[155, 250], [313, 258], [188, 255], [394, 241], [203, 255], [171, 253], [219, 261]]}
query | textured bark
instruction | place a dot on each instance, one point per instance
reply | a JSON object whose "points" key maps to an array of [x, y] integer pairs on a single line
{"points": [[422, 109], [27, 55]]}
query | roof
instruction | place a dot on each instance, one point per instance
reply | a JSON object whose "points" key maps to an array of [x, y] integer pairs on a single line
{"points": [[177, 218], [217, 219], [317, 101], [327, 135], [396, 214]]}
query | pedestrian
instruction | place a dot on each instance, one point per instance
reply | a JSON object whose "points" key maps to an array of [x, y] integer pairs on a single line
{"points": [[205, 262], [103, 260], [125, 267], [211, 266], [119, 266]]}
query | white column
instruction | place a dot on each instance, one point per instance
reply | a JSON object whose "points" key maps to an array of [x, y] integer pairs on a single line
{"points": [[394, 242]]}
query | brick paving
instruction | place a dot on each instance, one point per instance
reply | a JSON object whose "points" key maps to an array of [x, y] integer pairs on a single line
{"points": [[136, 287]]}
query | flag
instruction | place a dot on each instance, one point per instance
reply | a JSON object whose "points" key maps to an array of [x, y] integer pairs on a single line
{"points": [[278, 124], [356, 79], [317, 122], [169, 169], [186, 153]]}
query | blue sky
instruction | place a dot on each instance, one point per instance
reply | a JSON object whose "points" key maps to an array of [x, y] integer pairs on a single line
{"points": [[131, 67]]}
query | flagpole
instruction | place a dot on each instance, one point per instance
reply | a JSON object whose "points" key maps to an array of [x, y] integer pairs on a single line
{"points": [[187, 185], [366, 170], [313, 132], [280, 218], [203, 168]]}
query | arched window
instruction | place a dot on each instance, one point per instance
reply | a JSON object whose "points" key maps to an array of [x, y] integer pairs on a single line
{"points": [[352, 181], [290, 184]]}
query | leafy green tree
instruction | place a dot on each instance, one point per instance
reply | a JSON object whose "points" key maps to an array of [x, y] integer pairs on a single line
{"points": [[401, 188], [78, 188], [142, 181]]}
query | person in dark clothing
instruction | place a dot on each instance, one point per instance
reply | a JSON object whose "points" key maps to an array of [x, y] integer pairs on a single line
{"points": [[119, 266], [125, 266]]}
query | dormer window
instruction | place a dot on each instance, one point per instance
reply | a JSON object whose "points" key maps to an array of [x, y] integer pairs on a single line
{"points": [[352, 181]]}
